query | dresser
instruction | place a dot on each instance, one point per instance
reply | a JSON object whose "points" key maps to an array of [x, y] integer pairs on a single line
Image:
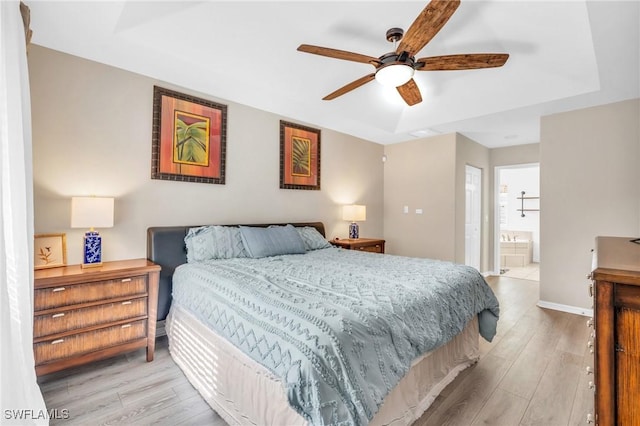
{"points": [[616, 277], [363, 244], [86, 314]]}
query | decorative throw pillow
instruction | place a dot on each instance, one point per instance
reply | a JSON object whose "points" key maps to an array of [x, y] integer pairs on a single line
{"points": [[313, 240], [214, 242], [199, 242], [271, 241], [227, 242]]}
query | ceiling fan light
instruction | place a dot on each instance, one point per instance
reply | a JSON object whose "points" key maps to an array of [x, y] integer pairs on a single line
{"points": [[394, 75]]}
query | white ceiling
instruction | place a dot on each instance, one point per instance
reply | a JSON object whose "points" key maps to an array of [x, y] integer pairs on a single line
{"points": [[564, 55]]}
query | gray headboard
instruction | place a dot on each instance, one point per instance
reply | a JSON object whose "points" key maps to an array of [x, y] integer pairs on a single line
{"points": [[165, 247]]}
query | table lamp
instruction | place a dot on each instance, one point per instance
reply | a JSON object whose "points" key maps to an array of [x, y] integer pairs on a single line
{"points": [[354, 213], [92, 212]]}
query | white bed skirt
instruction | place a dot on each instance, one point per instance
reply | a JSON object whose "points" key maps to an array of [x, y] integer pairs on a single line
{"points": [[244, 392]]}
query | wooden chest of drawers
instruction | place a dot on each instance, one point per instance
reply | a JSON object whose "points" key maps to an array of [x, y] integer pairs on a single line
{"points": [[617, 331], [363, 244], [82, 315]]}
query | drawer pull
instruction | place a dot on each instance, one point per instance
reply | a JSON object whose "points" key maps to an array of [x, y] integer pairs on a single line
{"points": [[61, 314], [126, 280], [590, 322], [57, 289], [592, 385], [55, 342], [588, 370], [126, 325], [126, 302]]}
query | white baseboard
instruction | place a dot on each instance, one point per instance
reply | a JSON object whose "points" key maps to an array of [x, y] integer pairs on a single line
{"points": [[489, 274], [565, 308]]}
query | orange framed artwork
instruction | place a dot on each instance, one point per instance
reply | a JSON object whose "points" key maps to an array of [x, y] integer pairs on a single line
{"points": [[299, 156], [189, 138]]}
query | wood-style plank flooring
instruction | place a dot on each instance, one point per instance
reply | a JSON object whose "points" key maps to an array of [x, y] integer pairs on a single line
{"points": [[533, 373]]}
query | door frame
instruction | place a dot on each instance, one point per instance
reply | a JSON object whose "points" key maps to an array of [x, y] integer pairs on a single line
{"points": [[496, 209], [478, 194]]}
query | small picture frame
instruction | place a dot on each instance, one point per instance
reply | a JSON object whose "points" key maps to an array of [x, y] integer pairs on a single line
{"points": [[299, 156], [50, 250]]}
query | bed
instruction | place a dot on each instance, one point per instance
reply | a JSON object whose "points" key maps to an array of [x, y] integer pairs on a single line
{"points": [[314, 335]]}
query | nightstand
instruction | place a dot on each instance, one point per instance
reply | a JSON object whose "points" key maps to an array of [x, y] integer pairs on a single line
{"points": [[86, 314], [363, 244]]}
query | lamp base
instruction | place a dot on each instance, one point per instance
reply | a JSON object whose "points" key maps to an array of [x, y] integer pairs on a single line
{"points": [[92, 250], [354, 231]]}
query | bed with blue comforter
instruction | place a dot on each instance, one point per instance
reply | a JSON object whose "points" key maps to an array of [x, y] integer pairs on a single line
{"points": [[339, 328]]}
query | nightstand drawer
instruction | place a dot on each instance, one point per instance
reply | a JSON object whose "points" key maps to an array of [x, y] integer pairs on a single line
{"points": [[373, 249], [371, 245], [63, 295], [65, 320], [77, 344]]}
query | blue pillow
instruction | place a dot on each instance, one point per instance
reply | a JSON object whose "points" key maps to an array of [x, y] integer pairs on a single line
{"points": [[271, 241], [213, 242], [313, 240]]}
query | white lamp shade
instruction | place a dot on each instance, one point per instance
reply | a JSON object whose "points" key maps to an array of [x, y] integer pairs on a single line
{"points": [[354, 213], [394, 75], [91, 212]]}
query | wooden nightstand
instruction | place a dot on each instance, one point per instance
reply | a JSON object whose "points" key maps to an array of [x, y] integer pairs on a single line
{"points": [[364, 244], [83, 315]]}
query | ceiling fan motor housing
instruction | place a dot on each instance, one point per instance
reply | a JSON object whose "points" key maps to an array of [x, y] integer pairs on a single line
{"points": [[394, 34], [392, 58]]}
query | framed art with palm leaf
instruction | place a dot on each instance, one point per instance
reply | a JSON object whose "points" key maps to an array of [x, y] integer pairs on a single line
{"points": [[189, 138], [299, 156]]}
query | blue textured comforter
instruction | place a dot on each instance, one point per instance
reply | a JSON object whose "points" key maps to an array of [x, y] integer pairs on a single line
{"points": [[339, 327]]}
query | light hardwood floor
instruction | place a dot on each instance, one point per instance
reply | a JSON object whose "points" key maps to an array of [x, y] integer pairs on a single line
{"points": [[533, 373]]}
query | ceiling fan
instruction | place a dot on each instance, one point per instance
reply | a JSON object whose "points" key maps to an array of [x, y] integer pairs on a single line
{"points": [[397, 68]]}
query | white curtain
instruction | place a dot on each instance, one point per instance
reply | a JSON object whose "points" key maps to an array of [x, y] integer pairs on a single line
{"points": [[21, 401]]}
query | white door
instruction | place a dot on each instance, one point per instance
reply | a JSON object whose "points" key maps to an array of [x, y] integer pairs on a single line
{"points": [[473, 216]]}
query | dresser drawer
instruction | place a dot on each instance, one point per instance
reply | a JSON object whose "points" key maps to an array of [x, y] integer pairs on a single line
{"points": [[63, 295], [56, 322], [77, 344]]}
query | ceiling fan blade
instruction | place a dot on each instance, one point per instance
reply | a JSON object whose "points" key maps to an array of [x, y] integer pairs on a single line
{"points": [[349, 87], [462, 62], [339, 54], [410, 93], [426, 26]]}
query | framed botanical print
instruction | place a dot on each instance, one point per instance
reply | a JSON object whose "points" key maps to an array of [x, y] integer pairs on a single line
{"points": [[50, 250], [299, 156], [189, 138]]}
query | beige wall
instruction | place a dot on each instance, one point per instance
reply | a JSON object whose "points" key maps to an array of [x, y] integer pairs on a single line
{"points": [[92, 136], [590, 180], [420, 174], [429, 174], [512, 155]]}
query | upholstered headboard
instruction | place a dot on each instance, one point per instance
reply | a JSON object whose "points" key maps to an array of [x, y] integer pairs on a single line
{"points": [[165, 247]]}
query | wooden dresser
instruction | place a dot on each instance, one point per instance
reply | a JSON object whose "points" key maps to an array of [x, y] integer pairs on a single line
{"points": [[617, 331], [364, 244], [82, 315]]}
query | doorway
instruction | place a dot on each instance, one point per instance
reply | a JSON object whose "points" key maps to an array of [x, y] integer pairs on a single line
{"points": [[517, 221], [473, 216]]}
